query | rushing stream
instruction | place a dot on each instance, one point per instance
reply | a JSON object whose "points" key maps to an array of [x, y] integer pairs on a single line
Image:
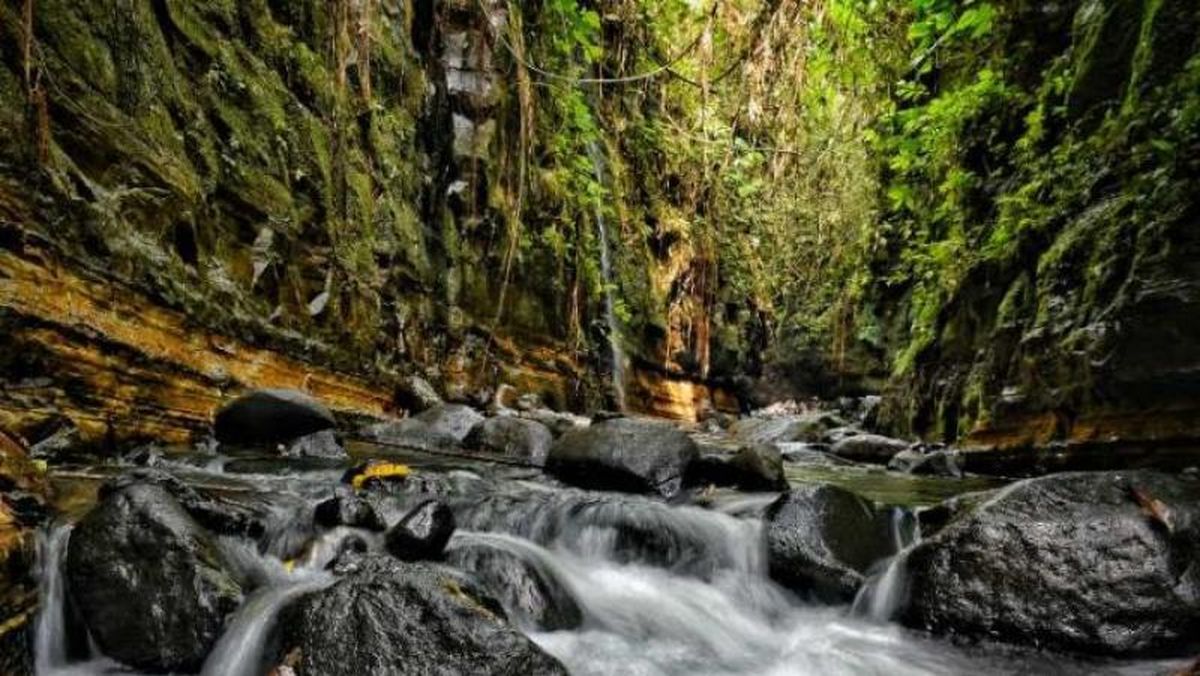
{"points": [[661, 589]]}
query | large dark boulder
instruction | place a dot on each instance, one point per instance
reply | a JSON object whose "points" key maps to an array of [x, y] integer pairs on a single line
{"points": [[1102, 562], [455, 420], [530, 593], [149, 582], [872, 448], [624, 454], [270, 416], [930, 462], [822, 539], [512, 437], [247, 515], [389, 617], [423, 533], [752, 467]]}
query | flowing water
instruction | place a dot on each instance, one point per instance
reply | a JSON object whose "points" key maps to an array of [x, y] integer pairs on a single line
{"points": [[606, 273], [661, 589]]}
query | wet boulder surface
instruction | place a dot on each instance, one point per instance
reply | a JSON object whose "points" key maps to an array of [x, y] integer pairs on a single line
{"points": [[624, 454], [512, 437], [1102, 563], [454, 420], [531, 595], [271, 416], [752, 467], [872, 448], [822, 540], [384, 616], [149, 582], [423, 533], [410, 433]]}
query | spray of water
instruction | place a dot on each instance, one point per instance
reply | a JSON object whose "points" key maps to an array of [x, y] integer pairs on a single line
{"points": [[606, 273]]}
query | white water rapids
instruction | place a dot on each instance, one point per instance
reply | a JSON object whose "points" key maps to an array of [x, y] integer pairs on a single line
{"points": [[662, 590]]}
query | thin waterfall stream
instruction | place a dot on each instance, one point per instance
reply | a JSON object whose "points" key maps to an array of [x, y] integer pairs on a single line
{"points": [[617, 354]]}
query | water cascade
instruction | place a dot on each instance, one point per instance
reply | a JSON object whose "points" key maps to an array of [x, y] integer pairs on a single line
{"points": [[606, 273], [884, 592]]}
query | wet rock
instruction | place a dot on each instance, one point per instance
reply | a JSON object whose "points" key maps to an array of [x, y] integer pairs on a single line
{"points": [[389, 617], [1102, 563], [219, 514], [785, 428], [805, 453], [873, 448], [323, 444], [271, 416], [410, 433], [347, 509], [936, 462], [558, 423], [415, 394], [454, 420], [821, 539], [532, 597], [752, 467], [512, 437], [422, 534], [624, 454], [149, 582]]}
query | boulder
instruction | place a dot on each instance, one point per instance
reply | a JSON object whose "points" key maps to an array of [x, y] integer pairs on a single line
{"points": [[388, 617], [1102, 563], [530, 594], [323, 444], [422, 534], [454, 420], [415, 394], [222, 515], [784, 428], [410, 433], [624, 454], [936, 462], [512, 437], [872, 448], [752, 467], [346, 508], [149, 582], [558, 423], [822, 539], [270, 417]]}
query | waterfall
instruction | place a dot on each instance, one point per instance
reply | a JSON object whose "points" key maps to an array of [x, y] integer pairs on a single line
{"points": [[50, 632], [883, 594], [606, 273]]}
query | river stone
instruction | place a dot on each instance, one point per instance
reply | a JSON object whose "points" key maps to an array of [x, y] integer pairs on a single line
{"points": [[557, 422], [455, 420], [149, 582], [422, 534], [784, 428], [414, 393], [385, 616], [346, 508], [246, 516], [270, 416], [323, 444], [752, 467], [822, 539], [936, 462], [1102, 563], [873, 448], [624, 454], [512, 437], [410, 433], [533, 598]]}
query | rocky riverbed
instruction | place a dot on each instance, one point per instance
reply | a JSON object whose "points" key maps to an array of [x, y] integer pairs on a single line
{"points": [[533, 542]]}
